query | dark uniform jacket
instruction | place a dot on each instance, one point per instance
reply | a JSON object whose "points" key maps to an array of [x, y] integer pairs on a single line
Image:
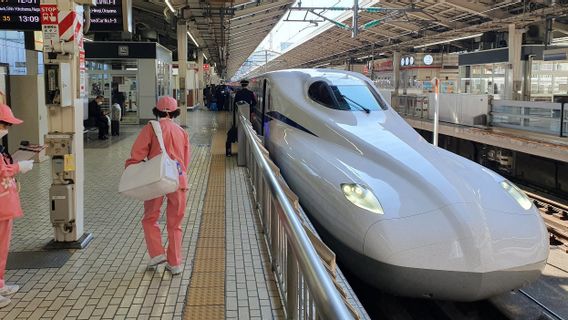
{"points": [[247, 96]]}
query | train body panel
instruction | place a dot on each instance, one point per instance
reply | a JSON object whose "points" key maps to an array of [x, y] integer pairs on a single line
{"points": [[434, 211]]}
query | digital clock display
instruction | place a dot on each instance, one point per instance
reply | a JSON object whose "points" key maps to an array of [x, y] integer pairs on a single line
{"points": [[19, 15], [24, 15]]}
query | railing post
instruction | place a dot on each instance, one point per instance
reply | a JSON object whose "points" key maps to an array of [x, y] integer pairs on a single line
{"points": [[291, 286]]}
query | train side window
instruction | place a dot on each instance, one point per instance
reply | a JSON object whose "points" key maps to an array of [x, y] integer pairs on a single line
{"points": [[320, 92]]}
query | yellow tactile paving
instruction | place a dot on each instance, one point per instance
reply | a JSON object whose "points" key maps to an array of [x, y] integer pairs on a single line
{"points": [[208, 279], [206, 312], [206, 292], [199, 296]]}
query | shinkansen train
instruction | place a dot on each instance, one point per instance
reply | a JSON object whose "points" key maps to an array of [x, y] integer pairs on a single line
{"points": [[403, 215]]}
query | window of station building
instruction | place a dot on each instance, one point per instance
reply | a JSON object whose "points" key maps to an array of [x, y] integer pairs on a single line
{"points": [[345, 97], [13, 52]]}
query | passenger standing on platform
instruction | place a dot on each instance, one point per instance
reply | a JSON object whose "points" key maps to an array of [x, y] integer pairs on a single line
{"points": [[146, 146], [98, 118], [116, 116], [10, 207]]}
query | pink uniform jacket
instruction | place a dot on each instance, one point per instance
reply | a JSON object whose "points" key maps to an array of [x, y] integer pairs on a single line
{"points": [[10, 207], [176, 141]]}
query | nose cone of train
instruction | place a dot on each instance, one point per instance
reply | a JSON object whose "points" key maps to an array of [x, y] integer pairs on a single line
{"points": [[458, 252]]}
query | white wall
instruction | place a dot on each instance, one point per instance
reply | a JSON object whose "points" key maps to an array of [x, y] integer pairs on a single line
{"points": [[30, 108], [146, 88]]}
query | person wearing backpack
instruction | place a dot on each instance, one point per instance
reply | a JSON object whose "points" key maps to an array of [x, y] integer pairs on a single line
{"points": [[146, 146]]}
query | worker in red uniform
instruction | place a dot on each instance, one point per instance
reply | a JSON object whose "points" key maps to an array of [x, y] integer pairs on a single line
{"points": [[10, 207], [146, 146]]}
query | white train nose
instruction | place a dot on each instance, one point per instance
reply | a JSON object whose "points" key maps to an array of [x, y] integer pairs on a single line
{"points": [[459, 252]]}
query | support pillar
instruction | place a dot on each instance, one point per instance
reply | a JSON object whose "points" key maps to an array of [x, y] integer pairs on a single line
{"points": [[64, 98], [200, 78], [514, 85], [182, 69], [395, 77]]}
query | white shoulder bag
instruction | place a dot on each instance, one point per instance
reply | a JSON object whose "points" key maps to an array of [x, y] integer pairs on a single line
{"points": [[152, 178]]}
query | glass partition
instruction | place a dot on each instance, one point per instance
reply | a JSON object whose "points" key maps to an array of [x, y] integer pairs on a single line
{"points": [[483, 79]]}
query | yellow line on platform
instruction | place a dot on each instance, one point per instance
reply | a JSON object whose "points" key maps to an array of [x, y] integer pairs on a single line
{"points": [[206, 292]]}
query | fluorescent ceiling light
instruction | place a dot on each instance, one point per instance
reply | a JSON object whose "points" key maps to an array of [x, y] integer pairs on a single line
{"points": [[204, 56], [450, 40], [192, 39], [170, 6]]}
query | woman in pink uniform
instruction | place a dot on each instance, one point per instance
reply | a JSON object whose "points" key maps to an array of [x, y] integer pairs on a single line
{"points": [[9, 200], [176, 141]]}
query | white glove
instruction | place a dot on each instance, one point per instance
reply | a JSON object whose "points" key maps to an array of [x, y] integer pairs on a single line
{"points": [[26, 166]]}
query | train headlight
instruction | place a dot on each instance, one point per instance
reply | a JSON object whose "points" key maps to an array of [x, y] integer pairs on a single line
{"points": [[362, 197], [517, 194]]}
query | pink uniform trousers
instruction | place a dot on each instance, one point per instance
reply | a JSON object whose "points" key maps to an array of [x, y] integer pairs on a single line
{"points": [[174, 215], [5, 235]]}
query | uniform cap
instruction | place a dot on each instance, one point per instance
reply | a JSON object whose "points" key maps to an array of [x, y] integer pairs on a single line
{"points": [[6, 115], [167, 104]]}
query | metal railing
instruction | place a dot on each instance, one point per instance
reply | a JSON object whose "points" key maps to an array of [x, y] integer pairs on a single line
{"points": [[307, 289], [544, 117]]}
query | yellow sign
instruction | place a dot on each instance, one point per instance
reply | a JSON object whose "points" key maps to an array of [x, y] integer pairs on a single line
{"points": [[69, 163]]}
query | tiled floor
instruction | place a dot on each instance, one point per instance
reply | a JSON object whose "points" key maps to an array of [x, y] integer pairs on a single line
{"points": [[108, 279]]}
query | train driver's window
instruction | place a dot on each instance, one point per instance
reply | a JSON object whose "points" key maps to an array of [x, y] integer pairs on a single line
{"points": [[320, 92]]}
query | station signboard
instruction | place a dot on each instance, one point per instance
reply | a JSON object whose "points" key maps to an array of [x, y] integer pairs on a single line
{"points": [[23, 15], [106, 16]]}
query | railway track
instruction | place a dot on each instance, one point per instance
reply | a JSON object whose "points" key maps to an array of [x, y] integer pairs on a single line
{"points": [[555, 216]]}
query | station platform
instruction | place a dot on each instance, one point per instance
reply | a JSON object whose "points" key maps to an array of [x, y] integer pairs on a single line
{"points": [[533, 143], [227, 274]]}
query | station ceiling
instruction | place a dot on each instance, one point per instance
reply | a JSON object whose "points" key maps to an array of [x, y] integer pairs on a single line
{"points": [[227, 31], [418, 23]]}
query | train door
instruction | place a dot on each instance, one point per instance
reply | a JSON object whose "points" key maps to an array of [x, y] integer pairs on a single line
{"points": [[266, 107], [257, 112]]}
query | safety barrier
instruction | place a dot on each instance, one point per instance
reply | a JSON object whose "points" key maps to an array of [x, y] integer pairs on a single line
{"points": [[543, 117], [304, 267]]}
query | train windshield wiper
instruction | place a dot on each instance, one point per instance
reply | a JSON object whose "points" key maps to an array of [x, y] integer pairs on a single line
{"points": [[367, 110]]}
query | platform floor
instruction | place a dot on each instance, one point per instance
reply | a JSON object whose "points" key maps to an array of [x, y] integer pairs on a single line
{"points": [[538, 144], [108, 279]]}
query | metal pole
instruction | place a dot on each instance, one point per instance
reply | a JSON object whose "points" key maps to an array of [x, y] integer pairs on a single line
{"points": [[436, 111], [562, 119], [355, 25]]}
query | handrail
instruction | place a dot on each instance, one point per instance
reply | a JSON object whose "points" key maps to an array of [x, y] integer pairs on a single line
{"points": [[328, 300]]}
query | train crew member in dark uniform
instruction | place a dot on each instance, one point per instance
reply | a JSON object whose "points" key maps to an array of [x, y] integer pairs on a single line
{"points": [[242, 95], [97, 117]]}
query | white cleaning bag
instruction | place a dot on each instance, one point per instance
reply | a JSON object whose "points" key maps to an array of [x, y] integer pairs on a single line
{"points": [[152, 178]]}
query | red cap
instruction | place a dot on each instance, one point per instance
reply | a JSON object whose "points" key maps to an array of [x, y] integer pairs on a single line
{"points": [[167, 104], [6, 115]]}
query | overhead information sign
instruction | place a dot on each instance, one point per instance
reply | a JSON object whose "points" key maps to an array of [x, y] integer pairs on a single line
{"points": [[107, 16], [20, 15], [24, 15]]}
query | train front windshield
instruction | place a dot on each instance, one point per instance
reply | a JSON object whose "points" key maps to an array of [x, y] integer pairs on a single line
{"points": [[355, 98], [349, 97]]}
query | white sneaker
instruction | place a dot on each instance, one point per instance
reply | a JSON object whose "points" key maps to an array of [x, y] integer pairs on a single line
{"points": [[157, 260], [175, 270], [9, 290], [4, 302]]}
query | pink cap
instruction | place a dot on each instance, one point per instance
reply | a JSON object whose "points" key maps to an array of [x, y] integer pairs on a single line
{"points": [[6, 115], [167, 104]]}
